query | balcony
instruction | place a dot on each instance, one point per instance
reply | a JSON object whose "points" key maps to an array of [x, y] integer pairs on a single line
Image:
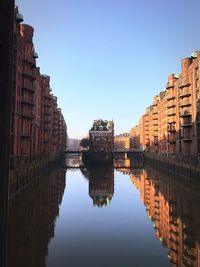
{"points": [[171, 112], [185, 103], [184, 82], [185, 114], [30, 61], [170, 97], [186, 124], [27, 101], [184, 93], [29, 88], [171, 120], [169, 85], [27, 114], [30, 74], [171, 105]]}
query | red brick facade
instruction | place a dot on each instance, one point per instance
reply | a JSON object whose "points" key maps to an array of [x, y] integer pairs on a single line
{"points": [[171, 125], [174, 220], [38, 129]]}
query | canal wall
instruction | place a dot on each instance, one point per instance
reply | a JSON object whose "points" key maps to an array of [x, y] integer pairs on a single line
{"points": [[38, 131], [173, 166], [26, 173]]}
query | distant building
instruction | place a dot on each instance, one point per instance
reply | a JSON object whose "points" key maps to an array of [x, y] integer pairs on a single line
{"points": [[134, 137], [122, 141], [73, 143], [101, 136]]}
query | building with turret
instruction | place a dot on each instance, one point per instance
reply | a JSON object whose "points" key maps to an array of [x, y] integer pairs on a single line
{"points": [[171, 124], [38, 129], [101, 136], [101, 143]]}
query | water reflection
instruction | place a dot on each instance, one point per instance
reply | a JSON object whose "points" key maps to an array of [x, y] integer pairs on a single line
{"points": [[101, 184], [73, 161], [125, 236], [126, 163], [173, 207], [32, 217]]}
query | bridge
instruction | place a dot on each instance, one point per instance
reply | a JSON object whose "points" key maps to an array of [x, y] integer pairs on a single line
{"points": [[115, 151], [130, 153]]}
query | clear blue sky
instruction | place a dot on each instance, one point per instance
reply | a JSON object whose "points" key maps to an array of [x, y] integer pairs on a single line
{"points": [[108, 58]]}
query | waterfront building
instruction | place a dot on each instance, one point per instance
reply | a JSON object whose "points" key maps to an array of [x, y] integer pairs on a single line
{"points": [[171, 125], [122, 141], [101, 136], [38, 128]]}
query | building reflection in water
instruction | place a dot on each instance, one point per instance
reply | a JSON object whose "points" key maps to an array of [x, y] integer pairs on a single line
{"points": [[173, 207], [101, 184], [125, 163], [73, 161], [101, 179], [32, 216]]}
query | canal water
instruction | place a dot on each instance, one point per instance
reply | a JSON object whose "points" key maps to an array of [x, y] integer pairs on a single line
{"points": [[122, 215]]}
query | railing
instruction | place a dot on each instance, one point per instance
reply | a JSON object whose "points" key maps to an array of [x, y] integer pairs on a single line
{"points": [[30, 61], [185, 103], [171, 104], [171, 111], [185, 92], [27, 114], [183, 82], [185, 113], [170, 96], [30, 74], [171, 120], [169, 85]]}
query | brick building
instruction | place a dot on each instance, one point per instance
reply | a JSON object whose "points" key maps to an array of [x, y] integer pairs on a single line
{"points": [[101, 136], [171, 125], [135, 137], [38, 128], [122, 141]]}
